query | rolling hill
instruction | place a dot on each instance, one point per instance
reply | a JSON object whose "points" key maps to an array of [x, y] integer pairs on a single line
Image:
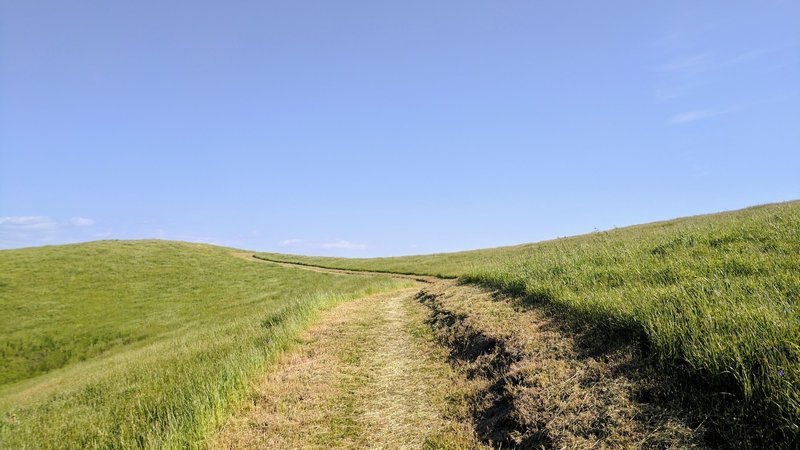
{"points": [[715, 298], [684, 331], [123, 344]]}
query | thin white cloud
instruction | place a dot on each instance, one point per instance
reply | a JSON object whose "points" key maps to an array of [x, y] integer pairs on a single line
{"points": [[745, 57], [344, 245], [22, 231], [672, 91], [757, 53], [699, 114], [81, 221], [682, 74], [667, 39], [679, 76], [690, 65], [339, 244], [686, 64], [27, 223]]}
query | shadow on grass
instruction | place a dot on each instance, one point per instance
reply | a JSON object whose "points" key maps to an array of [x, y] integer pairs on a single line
{"points": [[712, 404]]}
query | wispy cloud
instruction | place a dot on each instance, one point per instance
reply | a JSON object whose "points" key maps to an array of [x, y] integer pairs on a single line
{"points": [[699, 114], [667, 39], [20, 231], [687, 64], [338, 244], [27, 223], [758, 53], [344, 245], [690, 65], [681, 74], [673, 91], [81, 221]]}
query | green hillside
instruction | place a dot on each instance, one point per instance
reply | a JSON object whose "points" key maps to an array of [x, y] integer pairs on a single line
{"points": [[144, 343], [717, 295], [151, 343]]}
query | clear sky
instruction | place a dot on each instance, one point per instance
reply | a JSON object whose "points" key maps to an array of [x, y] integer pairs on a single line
{"points": [[364, 128]]}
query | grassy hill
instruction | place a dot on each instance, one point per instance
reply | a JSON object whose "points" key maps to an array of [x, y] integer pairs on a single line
{"points": [[717, 296], [144, 343], [149, 343]]}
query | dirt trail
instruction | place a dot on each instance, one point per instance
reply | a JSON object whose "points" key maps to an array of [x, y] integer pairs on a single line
{"points": [[312, 268], [367, 375], [446, 365]]}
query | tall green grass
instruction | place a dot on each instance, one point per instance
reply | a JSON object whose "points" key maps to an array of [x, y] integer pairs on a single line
{"points": [[143, 344], [718, 295]]}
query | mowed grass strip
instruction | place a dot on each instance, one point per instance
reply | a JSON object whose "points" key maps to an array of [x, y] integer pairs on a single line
{"points": [[368, 374], [143, 343], [717, 296]]}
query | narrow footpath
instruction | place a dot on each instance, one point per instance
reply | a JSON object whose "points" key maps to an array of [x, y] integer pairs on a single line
{"points": [[367, 375], [446, 365]]}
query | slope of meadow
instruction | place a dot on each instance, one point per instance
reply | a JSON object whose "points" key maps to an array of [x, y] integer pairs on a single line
{"points": [[716, 296], [145, 343]]}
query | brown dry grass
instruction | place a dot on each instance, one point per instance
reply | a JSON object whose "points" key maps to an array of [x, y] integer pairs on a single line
{"points": [[549, 384], [368, 375]]}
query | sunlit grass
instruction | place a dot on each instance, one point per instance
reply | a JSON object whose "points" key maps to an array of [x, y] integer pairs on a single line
{"points": [[717, 295], [131, 344]]}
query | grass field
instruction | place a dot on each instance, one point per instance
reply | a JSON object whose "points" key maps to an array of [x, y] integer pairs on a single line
{"points": [[717, 296], [145, 343], [153, 344]]}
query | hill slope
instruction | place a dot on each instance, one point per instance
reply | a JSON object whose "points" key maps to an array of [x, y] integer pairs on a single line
{"points": [[145, 343], [715, 296]]}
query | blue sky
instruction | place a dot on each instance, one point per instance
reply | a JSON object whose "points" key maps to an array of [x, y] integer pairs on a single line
{"points": [[364, 128]]}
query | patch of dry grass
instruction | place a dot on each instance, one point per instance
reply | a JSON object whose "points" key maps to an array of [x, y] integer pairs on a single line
{"points": [[545, 385], [367, 375]]}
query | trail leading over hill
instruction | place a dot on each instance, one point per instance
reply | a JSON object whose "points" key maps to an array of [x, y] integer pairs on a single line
{"points": [[371, 375], [130, 344], [322, 269], [711, 300]]}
